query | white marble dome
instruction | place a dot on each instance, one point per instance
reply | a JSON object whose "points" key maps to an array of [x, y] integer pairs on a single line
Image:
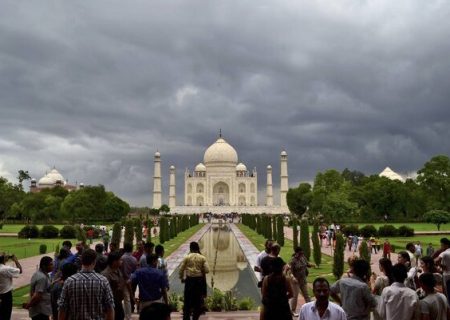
{"points": [[200, 167], [220, 152], [51, 178], [241, 167]]}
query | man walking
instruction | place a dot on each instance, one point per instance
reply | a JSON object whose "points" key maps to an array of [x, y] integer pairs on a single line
{"points": [[398, 301], [299, 268], [40, 305], [322, 308], [152, 283], [193, 272], [434, 305], [261, 256], [355, 296], [117, 283], [7, 273], [129, 265], [86, 294]]}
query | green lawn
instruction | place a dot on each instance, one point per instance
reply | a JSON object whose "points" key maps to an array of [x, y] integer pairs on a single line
{"points": [[324, 270], [173, 244], [24, 248], [20, 296]]}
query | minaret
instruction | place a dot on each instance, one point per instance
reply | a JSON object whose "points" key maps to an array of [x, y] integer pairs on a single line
{"points": [[157, 182], [284, 185], [172, 189], [269, 194]]}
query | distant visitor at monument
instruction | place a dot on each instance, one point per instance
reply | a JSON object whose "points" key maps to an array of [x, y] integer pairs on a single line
{"points": [[221, 184]]}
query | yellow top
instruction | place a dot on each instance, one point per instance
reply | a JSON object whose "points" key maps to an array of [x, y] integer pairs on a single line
{"points": [[195, 265]]}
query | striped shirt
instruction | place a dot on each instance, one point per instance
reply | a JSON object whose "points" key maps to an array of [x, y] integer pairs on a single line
{"points": [[86, 296]]}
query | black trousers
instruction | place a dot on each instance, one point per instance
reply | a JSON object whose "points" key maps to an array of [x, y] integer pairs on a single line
{"points": [[6, 305], [119, 313], [194, 293], [41, 317]]}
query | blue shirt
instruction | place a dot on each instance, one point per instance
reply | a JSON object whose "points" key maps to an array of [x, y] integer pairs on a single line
{"points": [[151, 282]]}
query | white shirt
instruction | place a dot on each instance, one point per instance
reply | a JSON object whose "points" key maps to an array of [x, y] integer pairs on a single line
{"points": [[333, 312], [398, 302], [445, 262], [6, 275], [259, 258]]}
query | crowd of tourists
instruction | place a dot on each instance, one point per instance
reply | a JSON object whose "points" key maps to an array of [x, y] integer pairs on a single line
{"points": [[102, 284], [415, 286]]}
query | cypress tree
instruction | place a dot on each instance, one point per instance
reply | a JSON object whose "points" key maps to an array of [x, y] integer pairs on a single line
{"points": [[304, 238], [117, 234], [274, 228], [129, 232], [269, 227], [338, 259], [294, 233], [162, 229], [317, 254], [138, 230], [280, 231], [258, 224], [364, 253]]}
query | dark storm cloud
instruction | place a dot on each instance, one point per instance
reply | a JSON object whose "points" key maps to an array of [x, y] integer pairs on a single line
{"points": [[95, 88]]}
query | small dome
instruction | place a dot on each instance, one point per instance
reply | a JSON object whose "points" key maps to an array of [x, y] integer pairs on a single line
{"points": [[200, 167], [45, 180], [241, 167], [283, 153], [157, 154], [269, 167], [220, 152], [172, 167]]}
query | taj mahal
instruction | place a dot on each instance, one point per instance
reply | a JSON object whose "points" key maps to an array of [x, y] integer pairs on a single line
{"points": [[221, 184]]}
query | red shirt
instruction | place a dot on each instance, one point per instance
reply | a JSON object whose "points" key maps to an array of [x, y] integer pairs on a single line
{"points": [[138, 255]]}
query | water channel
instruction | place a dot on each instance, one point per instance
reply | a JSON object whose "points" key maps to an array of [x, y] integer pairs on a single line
{"points": [[229, 269]]}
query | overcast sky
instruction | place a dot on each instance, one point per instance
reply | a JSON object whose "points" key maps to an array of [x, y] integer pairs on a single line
{"points": [[96, 87]]}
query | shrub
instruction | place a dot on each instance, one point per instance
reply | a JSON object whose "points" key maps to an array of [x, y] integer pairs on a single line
{"points": [[68, 232], [174, 302], [57, 249], [230, 301], [49, 232], [81, 234], [387, 230], [246, 304], [364, 252], [368, 231], [129, 232], [29, 232], [405, 231], [214, 302], [138, 229], [350, 229], [43, 248], [274, 228]]}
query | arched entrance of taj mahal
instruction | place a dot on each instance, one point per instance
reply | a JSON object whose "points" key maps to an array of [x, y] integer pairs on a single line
{"points": [[221, 194]]}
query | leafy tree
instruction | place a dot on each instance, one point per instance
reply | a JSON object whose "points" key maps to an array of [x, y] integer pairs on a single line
{"points": [[298, 199], [9, 195], [22, 176], [115, 208], [164, 208], [138, 229], [338, 259], [317, 253], [437, 217], [304, 238], [434, 177], [337, 207], [280, 231], [356, 178]]}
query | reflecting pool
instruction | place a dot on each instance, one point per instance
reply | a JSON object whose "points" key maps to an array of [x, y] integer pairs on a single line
{"points": [[229, 269]]}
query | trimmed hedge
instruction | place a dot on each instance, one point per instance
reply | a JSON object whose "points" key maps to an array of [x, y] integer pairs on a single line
{"points": [[405, 231], [387, 231], [368, 231], [49, 232], [68, 232], [29, 232], [350, 229]]}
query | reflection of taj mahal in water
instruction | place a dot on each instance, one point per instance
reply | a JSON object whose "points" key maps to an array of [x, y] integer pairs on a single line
{"points": [[220, 184]]}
